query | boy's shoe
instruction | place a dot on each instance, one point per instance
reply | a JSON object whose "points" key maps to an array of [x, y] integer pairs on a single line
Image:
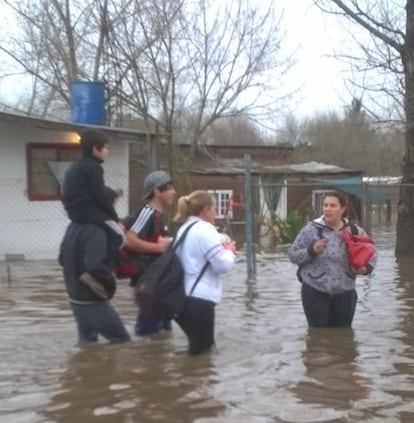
{"points": [[94, 285], [166, 325], [145, 326]]}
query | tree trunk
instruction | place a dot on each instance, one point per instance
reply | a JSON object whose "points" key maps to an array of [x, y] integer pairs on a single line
{"points": [[405, 223]]}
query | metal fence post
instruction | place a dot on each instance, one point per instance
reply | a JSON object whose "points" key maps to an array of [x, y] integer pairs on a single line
{"points": [[250, 261], [366, 209]]}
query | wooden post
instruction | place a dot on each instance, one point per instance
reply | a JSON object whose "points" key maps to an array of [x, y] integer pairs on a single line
{"points": [[8, 275], [388, 212]]}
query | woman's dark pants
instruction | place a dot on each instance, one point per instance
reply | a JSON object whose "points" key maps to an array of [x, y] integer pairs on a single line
{"points": [[197, 322], [328, 310]]}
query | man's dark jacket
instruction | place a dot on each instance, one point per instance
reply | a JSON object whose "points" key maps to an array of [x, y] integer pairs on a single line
{"points": [[84, 196], [86, 248]]}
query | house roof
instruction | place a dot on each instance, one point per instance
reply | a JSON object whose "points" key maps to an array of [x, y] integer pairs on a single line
{"points": [[21, 119], [236, 167]]}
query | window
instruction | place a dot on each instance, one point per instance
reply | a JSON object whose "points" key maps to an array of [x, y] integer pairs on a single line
{"points": [[223, 203], [317, 200], [46, 164]]}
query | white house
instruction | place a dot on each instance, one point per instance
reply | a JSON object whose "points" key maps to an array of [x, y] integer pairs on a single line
{"points": [[34, 156]]}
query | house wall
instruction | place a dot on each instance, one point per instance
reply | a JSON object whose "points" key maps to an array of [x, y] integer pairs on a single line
{"points": [[224, 182], [139, 165], [35, 228], [299, 197], [236, 226]]}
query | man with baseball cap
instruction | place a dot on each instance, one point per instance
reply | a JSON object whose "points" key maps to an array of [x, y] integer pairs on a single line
{"points": [[148, 236], [157, 179]]}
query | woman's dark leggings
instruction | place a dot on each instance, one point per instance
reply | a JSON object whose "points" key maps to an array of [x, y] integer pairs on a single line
{"points": [[197, 322], [328, 310]]}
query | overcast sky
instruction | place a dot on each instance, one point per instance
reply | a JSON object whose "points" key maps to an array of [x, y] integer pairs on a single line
{"points": [[308, 29], [317, 36]]}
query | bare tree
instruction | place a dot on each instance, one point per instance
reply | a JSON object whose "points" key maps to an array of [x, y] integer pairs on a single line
{"points": [[238, 130], [163, 60], [142, 53], [202, 61], [292, 132], [352, 142], [57, 42], [390, 28], [234, 49]]}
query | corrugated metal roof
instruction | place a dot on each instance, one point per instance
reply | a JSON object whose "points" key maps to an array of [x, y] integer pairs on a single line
{"points": [[64, 126], [236, 167]]}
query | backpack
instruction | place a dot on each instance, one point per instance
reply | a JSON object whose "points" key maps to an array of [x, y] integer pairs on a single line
{"points": [[128, 264], [354, 231], [159, 292]]}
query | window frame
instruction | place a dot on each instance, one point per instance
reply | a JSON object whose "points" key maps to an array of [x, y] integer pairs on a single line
{"points": [[220, 214], [317, 200], [30, 147]]}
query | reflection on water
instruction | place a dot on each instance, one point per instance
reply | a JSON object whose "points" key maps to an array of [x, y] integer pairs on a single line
{"points": [[151, 386], [268, 366], [332, 374]]}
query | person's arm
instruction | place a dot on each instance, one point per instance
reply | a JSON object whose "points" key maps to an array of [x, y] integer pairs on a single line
{"points": [[221, 259], [97, 190], [137, 245], [304, 248], [221, 256]]}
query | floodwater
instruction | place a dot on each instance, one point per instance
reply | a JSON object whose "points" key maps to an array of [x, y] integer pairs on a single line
{"points": [[267, 367]]}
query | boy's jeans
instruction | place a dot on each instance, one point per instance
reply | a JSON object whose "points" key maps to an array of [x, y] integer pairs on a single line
{"points": [[99, 318], [145, 326]]}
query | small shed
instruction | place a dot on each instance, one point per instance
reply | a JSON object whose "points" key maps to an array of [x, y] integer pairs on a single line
{"points": [[277, 189], [34, 156]]}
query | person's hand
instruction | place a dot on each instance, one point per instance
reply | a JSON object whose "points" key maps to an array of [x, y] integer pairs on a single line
{"points": [[360, 270], [163, 242], [320, 245], [230, 245]]}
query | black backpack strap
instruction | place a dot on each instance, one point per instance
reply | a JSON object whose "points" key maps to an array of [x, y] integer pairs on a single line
{"points": [[353, 228], [198, 278], [319, 230], [175, 243]]}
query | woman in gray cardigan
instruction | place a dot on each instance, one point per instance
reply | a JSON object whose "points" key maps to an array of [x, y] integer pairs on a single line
{"points": [[328, 281]]}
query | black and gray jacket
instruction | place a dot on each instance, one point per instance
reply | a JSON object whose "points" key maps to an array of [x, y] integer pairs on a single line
{"points": [[328, 271], [84, 196], [87, 248]]}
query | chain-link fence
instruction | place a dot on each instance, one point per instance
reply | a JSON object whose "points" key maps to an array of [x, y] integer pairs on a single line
{"points": [[279, 206], [31, 231], [31, 235]]}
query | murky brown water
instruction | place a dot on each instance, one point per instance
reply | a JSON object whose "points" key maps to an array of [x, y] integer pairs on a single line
{"points": [[267, 368]]}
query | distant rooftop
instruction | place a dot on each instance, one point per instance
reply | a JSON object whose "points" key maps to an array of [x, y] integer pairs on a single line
{"points": [[236, 167], [382, 180]]}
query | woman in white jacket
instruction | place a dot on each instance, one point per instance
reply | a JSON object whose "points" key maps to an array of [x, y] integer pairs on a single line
{"points": [[202, 245]]}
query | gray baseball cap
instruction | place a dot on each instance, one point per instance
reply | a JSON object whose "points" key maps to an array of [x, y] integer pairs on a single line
{"points": [[156, 179]]}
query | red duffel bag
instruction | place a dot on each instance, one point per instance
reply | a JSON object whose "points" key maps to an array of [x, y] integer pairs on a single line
{"points": [[359, 249]]}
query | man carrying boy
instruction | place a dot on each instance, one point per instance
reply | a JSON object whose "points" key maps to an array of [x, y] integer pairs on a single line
{"points": [[147, 236], [86, 255]]}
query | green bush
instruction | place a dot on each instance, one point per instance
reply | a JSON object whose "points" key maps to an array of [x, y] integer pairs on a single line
{"points": [[288, 228]]}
